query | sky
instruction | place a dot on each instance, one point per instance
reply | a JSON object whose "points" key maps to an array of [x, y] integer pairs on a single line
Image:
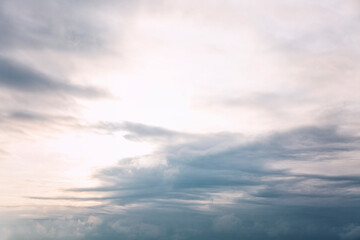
{"points": [[179, 119]]}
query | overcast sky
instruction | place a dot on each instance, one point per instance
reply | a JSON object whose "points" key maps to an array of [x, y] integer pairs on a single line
{"points": [[179, 119]]}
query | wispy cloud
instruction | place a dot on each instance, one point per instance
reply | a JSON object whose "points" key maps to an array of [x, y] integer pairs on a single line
{"points": [[16, 76]]}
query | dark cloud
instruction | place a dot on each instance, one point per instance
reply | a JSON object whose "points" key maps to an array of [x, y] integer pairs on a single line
{"points": [[211, 190], [16, 76], [351, 232], [241, 222], [194, 167]]}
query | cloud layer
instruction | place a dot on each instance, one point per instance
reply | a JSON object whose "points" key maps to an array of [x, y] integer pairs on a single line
{"points": [[203, 188], [142, 120]]}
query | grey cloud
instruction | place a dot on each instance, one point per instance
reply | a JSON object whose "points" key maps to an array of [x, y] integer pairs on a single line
{"points": [[268, 203], [28, 116], [35, 117], [19, 77], [189, 169], [150, 223], [144, 130], [287, 206], [21, 123], [60, 27], [138, 131], [32, 97], [66, 227], [39, 24], [66, 25], [352, 232]]}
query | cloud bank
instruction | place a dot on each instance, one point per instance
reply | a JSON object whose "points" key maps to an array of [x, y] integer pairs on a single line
{"points": [[203, 188]]}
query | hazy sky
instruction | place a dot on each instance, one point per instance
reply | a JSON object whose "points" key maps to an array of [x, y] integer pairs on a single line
{"points": [[179, 119]]}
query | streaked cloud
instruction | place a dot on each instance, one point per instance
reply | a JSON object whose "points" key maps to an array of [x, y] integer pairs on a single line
{"points": [[231, 189], [18, 77]]}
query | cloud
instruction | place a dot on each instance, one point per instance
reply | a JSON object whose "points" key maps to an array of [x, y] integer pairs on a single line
{"points": [[68, 227], [16, 76], [226, 223], [275, 67], [193, 167], [66, 25], [33, 97], [135, 230], [226, 190], [352, 232], [138, 131]]}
